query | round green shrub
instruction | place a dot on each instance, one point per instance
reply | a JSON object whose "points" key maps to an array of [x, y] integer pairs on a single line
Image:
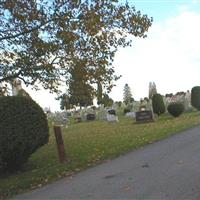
{"points": [[23, 129], [175, 109], [158, 104], [195, 97]]}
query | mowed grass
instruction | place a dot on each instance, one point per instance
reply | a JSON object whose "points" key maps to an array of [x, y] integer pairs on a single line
{"points": [[87, 144]]}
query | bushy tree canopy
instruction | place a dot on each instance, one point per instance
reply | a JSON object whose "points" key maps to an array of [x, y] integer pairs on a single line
{"points": [[40, 40]]}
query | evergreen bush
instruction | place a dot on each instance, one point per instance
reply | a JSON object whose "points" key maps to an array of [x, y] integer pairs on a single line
{"points": [[23, 129], [175, 109], [158, 104], [195, 97]]}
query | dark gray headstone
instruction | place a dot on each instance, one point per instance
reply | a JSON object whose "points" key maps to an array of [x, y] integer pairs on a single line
{"points": [[144, 116]]}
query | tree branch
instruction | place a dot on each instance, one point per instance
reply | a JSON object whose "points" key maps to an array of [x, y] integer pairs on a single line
{"points": [[8, 78], [24, 32]]}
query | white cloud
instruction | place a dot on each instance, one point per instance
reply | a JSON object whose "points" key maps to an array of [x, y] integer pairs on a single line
{"points": [[169, 56]]}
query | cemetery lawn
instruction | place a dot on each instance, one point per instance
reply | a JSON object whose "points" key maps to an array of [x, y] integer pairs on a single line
{"points": [[90, 143]]}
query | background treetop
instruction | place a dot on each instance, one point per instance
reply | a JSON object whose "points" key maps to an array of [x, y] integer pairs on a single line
{"points": [[41, 40]]}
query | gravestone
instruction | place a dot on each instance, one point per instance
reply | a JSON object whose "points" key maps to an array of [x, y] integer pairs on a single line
{"points": [[144, 116], [61, 119], [78, 119], [101, 113], [130, 114], [112, 112], [90, 116], [111, 116]]}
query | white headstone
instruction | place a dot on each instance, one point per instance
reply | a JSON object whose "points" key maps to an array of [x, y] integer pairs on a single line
{"points": [[130, 114], [112, 118]]}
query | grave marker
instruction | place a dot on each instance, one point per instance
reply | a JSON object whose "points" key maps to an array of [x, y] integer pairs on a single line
{"points": [[144, 116]]}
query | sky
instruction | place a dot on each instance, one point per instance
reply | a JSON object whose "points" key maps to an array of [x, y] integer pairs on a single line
{"points": [[169, 56]]}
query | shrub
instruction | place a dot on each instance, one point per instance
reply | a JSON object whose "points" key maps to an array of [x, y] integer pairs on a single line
{"points": [[195, 97], [23, 129], [126, 110], [158, 104], [175, 109]]}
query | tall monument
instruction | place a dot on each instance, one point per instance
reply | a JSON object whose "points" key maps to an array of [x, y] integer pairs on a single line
{"points": [[152, 89], [16, 87]]}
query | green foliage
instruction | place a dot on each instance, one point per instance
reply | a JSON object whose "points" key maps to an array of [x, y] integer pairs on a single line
{"points": [[23, 129], [175, 108], [119, 103], [195, 97], [169, 95], [49, 38], [158, 104], [65, 102], [107, 101], [80, 91], [126, 110], [127, 96]]}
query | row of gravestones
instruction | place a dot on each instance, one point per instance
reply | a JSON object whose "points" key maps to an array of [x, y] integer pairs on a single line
{"points": [[61, 118], [110, 116]]}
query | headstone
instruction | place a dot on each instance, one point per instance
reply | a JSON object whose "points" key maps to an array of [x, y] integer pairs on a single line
{"points": [[144, 116], [16, 87], [112, 118], [78, 119], [112, 112], [60, 119], [130, 114], [90, 117], [101, 113]]}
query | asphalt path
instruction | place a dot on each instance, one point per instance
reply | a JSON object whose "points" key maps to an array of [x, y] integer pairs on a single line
{"points": [[168, 169]]}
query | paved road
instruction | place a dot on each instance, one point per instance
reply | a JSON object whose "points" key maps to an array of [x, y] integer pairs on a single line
{"points": [[168, 169]]}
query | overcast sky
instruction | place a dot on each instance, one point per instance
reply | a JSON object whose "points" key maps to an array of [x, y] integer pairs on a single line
{"points": [[169, 56]]}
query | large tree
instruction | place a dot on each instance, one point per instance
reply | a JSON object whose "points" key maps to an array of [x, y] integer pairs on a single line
{"points": [[40, 40]]}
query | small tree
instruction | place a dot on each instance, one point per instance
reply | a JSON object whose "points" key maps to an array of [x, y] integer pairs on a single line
{"points": [[127, 94], [158, 104], [195, 97]]}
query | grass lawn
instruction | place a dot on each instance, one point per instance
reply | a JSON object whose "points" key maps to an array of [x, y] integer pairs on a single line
{"points": [[89, 143]]}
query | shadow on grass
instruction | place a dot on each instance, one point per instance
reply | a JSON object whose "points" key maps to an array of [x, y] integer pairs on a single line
{"points": [[29, 166]]}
